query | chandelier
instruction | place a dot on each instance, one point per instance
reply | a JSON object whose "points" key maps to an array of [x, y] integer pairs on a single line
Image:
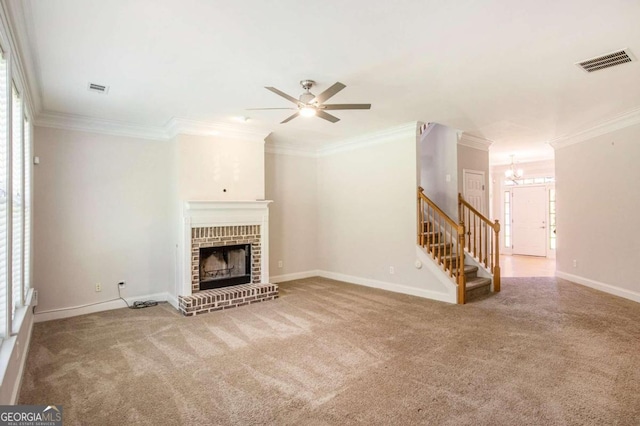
{"points": [[513, 173]]}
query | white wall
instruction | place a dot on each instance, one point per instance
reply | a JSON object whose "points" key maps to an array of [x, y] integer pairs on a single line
{"points": [[597, 212], [439, 167], [102, 214], [367, 216], [209, 165], [291, 182]]}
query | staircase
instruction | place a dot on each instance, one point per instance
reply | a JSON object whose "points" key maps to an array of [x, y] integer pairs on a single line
{"points": [[461, 251], [475, 286]]}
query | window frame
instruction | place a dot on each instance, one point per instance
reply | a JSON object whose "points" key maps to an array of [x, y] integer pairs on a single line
{"points": [[15, 315]]}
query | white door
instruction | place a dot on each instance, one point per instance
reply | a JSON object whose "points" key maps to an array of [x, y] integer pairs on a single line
{"points": [[529, 214], [473, 193], [474, 189]]}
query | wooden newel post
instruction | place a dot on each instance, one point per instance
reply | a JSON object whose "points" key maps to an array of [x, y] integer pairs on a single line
{"points": [[496, 265], [460, 265]]}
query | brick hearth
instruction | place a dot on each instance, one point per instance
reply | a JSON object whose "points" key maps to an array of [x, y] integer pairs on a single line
{"points": [[226, 298]]}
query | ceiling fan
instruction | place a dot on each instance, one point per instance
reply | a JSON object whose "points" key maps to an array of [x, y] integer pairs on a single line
{"points": [[309, 104]]}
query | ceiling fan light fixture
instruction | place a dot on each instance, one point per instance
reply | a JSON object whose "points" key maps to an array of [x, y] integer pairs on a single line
{"points": [[308, 104], [307, 97], [307, 111]]}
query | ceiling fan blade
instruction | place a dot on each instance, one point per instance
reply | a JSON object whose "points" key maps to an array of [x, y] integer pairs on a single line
{"points": [[328, 93], [346, 106], [290, 118], [259, 109], [284, 95], [326, 116]]}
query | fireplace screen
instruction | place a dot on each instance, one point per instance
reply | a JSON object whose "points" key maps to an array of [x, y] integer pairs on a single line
{"points": [[225, 266]]}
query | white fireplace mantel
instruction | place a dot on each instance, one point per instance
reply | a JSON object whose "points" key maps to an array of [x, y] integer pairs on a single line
{"points": [[197, 214], [226, 213]]}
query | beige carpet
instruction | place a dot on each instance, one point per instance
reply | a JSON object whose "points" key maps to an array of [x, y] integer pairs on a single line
{"points": [[542, 352]]}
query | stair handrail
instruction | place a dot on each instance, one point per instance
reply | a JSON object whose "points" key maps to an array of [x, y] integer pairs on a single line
{"points": [[452, 232], [478, 237]]}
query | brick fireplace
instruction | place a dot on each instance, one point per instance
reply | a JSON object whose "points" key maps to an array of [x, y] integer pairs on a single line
{"points": [[222, 237], [215, 229]]}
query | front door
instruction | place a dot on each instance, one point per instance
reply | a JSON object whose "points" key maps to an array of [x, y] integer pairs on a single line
{"points": [[529, 216]]}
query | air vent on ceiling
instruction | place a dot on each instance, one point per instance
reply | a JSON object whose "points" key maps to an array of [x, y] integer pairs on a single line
{"points": [[98, 88], [605, 61]]}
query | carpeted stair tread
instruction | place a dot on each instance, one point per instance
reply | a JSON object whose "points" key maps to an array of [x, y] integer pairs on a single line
{"points": [[470, 269], [477, 283], [445, 248], [431, 233], [431, 236]]}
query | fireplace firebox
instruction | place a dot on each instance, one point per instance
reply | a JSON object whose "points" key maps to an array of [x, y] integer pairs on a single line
{"points": [[224, 266]]}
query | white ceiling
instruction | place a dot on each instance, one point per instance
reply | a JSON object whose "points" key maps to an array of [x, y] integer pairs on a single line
{"points": [[501, 70]]}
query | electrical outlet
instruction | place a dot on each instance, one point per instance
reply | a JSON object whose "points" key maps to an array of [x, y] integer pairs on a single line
{"points": [[280, 263], [392, 270], [34, 300], [575, 263], [98, 287], [122, 284]]}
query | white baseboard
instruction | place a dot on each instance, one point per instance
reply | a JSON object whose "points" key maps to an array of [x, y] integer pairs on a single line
{"points": [[98, 307], [382, 285], [607, 288], [172, 301], [295, 276]]}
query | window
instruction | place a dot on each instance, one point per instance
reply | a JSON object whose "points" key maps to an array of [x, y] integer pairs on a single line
{"points": [[4, 172], [15, 200], [17, 206], [530, 181], [552, 218], [27, 206], [507, 219]]}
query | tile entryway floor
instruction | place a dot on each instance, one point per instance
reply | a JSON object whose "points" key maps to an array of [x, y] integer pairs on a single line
{"points": [[527, 266]]}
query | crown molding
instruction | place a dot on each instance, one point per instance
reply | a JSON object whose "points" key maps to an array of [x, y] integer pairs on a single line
{"points": [[621, 121], [174, 127], [184, 126], [387, 135], [96, 125], [290, 150], [425, 129], [474, 142], [408, 129]]}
